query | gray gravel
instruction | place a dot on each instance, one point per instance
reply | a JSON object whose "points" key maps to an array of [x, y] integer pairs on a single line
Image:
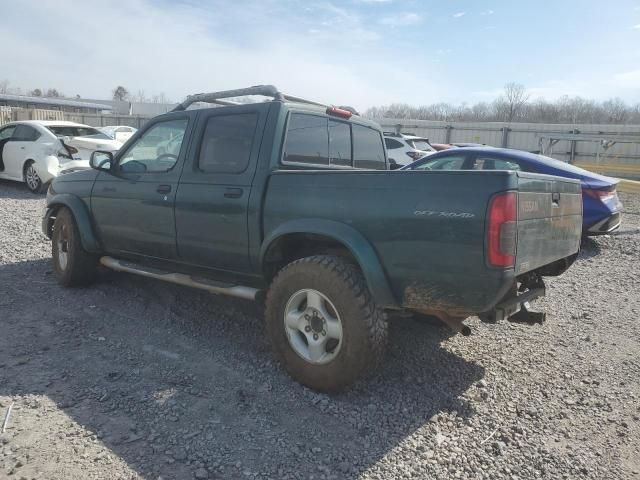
{"points": [[132, 378]]}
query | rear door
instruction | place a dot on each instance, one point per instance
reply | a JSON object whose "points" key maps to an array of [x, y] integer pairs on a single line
{"points": [[549, 220], [213, 194]]}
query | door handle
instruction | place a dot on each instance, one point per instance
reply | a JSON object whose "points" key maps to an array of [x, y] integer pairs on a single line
{"points": [[108, 189], [163, 189], [233, 193]]}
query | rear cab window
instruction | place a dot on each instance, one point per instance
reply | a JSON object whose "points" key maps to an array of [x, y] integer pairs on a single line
{"points": [[321, 141], [368, 149]]}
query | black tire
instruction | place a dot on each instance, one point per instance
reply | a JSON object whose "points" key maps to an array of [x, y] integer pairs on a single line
{"points": [[80, 266], [31, 178], [364, 327]]}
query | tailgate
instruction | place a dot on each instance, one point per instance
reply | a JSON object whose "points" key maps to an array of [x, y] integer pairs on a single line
{"points": [[549, 220]]}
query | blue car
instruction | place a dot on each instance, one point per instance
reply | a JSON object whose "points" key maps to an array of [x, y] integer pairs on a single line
{"points": [[601, 206]]}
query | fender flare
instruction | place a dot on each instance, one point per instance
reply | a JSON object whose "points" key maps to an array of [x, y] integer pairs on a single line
{"points": [[81, 215], [353, 240]]}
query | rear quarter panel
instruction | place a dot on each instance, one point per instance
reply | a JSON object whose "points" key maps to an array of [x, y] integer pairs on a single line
{"points": [[427, 228]]}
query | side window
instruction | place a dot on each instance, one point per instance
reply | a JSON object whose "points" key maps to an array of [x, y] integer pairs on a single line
{"points": [[6, 132], [447, 163], [339, 143], [226, 143], [25, 133], [391, 144], [307, 139], [368, 149], [499, 164], [157, 150]]}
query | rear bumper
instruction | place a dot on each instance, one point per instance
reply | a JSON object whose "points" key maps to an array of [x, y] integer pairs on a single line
{"points": [[607, 225]]}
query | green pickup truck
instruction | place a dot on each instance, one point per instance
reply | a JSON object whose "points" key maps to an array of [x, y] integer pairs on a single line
{"points": [[291, 203]]}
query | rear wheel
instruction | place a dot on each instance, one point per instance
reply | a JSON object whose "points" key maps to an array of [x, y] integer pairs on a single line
{"points": [[73, 266], [323, 324], [31, 177]]}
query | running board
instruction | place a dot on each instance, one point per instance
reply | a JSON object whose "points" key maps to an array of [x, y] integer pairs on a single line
{"points": [[239, 291]]}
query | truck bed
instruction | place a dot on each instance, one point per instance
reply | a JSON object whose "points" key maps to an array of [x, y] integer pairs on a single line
{"points": [[429, 228]]}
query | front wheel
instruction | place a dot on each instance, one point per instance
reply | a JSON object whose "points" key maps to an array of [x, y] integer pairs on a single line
{"points": [[31, 178], [73, 266], [323, 324]]}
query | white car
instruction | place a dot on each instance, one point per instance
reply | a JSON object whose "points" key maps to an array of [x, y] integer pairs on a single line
{"points": [[403, 149], [122, 133], [35, 152]]}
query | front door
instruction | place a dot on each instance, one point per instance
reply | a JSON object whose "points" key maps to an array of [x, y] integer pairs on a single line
{"points": [[133, 204], [213, 195]]}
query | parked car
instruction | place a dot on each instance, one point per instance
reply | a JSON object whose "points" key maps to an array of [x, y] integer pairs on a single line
{"points": [[292, 203], [37, 151], [442, 146], [402, 148], [601, 206], [122, 133]]}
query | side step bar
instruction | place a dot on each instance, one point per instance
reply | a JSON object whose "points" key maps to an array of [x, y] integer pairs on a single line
{"points": [[239, 291]]}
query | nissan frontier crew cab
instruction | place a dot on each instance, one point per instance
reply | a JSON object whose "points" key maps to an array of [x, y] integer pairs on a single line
{"points": [[291, 203]]}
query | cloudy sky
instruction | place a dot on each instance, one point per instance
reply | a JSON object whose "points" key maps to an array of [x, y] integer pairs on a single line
{"points": [[358, 52]]}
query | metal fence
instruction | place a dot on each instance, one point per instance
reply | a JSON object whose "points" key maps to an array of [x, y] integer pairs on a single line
{"points": [[610, 149], [12, 114]]}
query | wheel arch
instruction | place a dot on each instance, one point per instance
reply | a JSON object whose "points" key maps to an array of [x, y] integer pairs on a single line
{"points": [[81, 216], [301, 238]]}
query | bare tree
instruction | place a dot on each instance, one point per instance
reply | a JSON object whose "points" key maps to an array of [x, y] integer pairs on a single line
{"points": [[616, 110], [120, 93], [514, 105], [36, 92], [4, 86], [52, 92], [515, 97]]}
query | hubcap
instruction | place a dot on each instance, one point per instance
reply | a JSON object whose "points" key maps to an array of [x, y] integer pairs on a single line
{"points": [[313, 326], [63, 247], [32, 178]]}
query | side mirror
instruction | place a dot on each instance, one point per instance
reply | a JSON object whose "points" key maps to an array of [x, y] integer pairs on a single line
{"points": [[101, 160], [393, 165]]}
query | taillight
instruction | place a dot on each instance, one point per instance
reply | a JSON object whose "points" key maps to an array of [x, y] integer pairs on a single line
{"points": [[339, 112], [415, 155], [600, 194], [502, 232]]}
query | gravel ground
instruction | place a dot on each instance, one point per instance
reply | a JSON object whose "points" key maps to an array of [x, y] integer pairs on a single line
{"points": [[133, 378]]}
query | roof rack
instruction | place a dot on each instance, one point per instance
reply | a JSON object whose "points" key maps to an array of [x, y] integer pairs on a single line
{"points": [[264, 90]]}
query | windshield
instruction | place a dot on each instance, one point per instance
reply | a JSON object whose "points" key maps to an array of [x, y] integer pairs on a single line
{"points": [[420, 144], [74, 131]]}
